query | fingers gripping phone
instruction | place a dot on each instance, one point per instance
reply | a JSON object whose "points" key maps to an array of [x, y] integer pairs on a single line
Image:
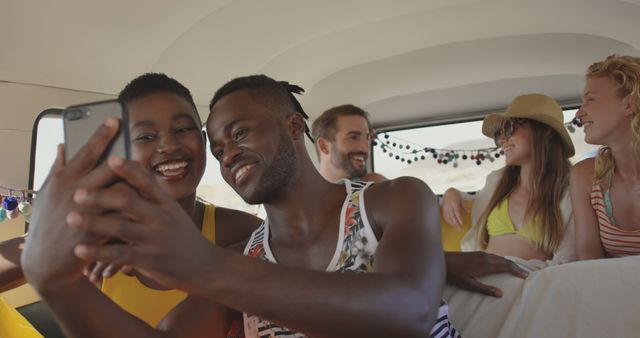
{"points": [[82, 121]]}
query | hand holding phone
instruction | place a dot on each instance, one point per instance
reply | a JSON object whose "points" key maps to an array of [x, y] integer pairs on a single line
{"points": [[81, 121]]}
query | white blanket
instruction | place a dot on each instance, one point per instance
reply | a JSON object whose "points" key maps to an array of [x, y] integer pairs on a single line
{"points": [[597, 298]]}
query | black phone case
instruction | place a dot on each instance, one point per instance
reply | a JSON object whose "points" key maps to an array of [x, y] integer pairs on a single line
{"points": [[78, 131]]}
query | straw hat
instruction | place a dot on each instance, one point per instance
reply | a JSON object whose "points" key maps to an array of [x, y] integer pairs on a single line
{"points": [[536, 107]]}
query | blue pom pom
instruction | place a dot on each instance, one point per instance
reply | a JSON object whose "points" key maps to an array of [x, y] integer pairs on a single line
{"points": [[10, 203]]}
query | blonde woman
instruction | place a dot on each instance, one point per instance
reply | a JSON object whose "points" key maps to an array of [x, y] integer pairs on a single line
{"points": [[524, 209], [606, 190]]}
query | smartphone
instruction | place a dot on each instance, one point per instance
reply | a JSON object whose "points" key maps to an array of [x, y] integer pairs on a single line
{"points": [[81, 122]]}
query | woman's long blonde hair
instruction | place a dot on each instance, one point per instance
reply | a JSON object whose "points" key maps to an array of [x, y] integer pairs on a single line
{"points": [[625, 72], [550, 180]]}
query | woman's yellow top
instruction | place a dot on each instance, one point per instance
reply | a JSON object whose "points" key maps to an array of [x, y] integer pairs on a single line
{"points": [[499, 223], [146, 303], [13, 325]]}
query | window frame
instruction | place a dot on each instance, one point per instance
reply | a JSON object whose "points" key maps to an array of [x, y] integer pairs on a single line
{"points": [[34, 142]]}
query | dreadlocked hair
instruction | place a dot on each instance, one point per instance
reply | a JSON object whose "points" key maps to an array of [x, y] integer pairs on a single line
{"points": [[277, 94]]}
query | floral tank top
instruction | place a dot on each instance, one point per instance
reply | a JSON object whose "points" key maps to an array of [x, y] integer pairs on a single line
{"points": [[355, 252]]}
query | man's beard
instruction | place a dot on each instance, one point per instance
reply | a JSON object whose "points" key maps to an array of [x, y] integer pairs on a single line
{"points": [[342, 161], [278, 176]]}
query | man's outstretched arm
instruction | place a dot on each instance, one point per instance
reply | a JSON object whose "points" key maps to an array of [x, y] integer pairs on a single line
{"points": [[85, 312], [50, 266], [401, 297]]}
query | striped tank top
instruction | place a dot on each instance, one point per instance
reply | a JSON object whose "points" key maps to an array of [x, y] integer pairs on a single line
{"points": [[355, 252], [617, 242]]}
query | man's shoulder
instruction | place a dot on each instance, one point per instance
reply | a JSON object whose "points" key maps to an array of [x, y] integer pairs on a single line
{"points": [[403, 181], [399, 198], [234, 225], [373, 177], [404, 186]]}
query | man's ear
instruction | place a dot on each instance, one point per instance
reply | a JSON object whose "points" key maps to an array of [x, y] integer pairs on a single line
{"points": [[323, 145], [296, 126]]}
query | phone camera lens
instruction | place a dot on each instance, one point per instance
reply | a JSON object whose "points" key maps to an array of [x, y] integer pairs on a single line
{"points": [[75, 114]]}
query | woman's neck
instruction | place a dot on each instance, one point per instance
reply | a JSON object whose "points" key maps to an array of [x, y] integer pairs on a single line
{"points": [[627, 160], [193, 208], [525, 179]]}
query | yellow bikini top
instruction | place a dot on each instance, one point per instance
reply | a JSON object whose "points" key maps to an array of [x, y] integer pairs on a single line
{"points": [[148, 304], [499, 223]]}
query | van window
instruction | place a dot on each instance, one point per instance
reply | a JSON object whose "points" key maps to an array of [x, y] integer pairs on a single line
{"points": [[46, 135], [463, 136], [409, 158]]}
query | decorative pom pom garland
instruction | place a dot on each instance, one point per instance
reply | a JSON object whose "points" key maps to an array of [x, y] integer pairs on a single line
{"points": [[409, 153], [15, 203]]}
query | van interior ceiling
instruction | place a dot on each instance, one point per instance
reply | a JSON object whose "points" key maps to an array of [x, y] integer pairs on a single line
{"points": [[408, 62]]}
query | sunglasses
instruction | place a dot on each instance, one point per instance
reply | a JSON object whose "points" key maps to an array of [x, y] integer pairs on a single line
{"points": [[507, 128]]}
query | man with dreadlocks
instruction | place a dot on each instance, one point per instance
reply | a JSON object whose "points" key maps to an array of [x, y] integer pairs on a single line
{"points": [[329, 260]]}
